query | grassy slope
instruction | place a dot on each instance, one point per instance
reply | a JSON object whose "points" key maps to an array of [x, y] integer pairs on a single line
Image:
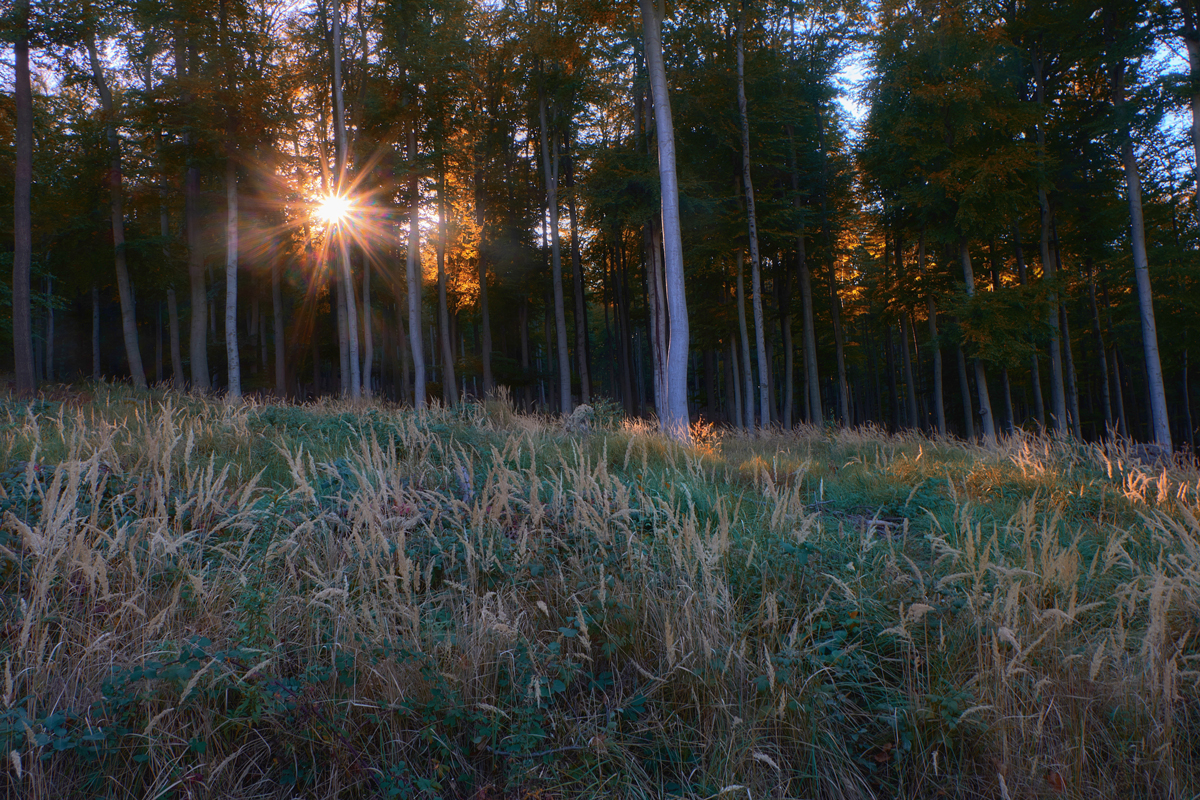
{"points": [[357, 602]]}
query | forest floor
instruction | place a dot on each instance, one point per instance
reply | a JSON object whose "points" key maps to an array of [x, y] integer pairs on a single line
{"points": [[354, 600]]}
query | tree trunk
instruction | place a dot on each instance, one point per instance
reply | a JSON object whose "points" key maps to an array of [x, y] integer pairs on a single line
{"points": [[914, 418], [1187, 409], [339, 127], [835, 303], [1058, 398], [277, 318], [964, 387], [158, 344], [117, 208], [747, 371], [789, 365], [449, 391], [656, 305], [939, 402], [1072, 384], [413, 272], [176, 352], [986, 420], [1101, 352], [234, 390], [735, 377], [1141, 271], [582, 350], [368, 358], [1035, 375], [549, 141], [198, 316], [95, 334], [764, 398], [812, 380], [22, 298], [676, 423]]}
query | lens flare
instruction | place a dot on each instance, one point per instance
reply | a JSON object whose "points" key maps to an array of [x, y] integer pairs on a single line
{"points": [[333, 208]]}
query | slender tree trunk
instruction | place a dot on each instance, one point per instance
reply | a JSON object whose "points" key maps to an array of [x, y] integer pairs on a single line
{"points": [[739, 417], [339, 127], [789, 352], [234, 390], [1187, 408], [939, 402], [986, 419], [177, 379], [812, 380], [964, 388], [1141, 271], [914, 418], [676, 423], [117, 208], [1101, 352], [367, 325], [413, 269], [198, 316], [1035, 375], [550, 172], [343, 337], [764, 398], [1058, 397], [449, 392], [656, 304], [22, 298], [582, 350], [835, 303], [158, 344], [1072, 384], [747, 372], [95, 334], [277, 318]]}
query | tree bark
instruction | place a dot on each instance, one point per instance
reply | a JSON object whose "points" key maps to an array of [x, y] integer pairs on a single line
{"points": [[1058, 397], [277, 318], [1072, 384], [582, 350], [747, 372], [368, 329], [95, 334], [914, 418], [1035, 374], [234, 390], [549, 141], [339, 127], [986, 420], [413, 272], [449, 393], [117, 208], [835, 303], [764, 397], [22, 298], [1191, 40], [1141, 271], [676, 423], [812, 379]]}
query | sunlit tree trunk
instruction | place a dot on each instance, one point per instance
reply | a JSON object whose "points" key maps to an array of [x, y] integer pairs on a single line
{"points": [[413, 272], [340, 186], [117, 209], [449, 394], [676, 423], [22, 217]]}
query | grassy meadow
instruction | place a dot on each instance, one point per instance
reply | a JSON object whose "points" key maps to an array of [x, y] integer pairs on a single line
{"points": [[358, 601]]}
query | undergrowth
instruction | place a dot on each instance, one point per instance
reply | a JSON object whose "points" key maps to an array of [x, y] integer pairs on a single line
{"points": [[335, 600]]}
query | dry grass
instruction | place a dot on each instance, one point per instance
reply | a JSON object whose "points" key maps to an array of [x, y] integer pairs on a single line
{"points": [[340, 601]]}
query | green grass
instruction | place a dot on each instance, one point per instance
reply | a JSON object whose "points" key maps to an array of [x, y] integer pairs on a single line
{"points": [[358, 601]]}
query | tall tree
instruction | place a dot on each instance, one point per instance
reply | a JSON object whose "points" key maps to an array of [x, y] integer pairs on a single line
{"points": [[117, 212], [22, 218], [676, 422]]}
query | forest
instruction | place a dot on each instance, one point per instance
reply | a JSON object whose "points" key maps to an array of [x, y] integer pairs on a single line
{"points": [[429, 199]]}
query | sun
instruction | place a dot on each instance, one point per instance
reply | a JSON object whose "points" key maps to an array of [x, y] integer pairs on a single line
{"points": [[333, 208]]}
